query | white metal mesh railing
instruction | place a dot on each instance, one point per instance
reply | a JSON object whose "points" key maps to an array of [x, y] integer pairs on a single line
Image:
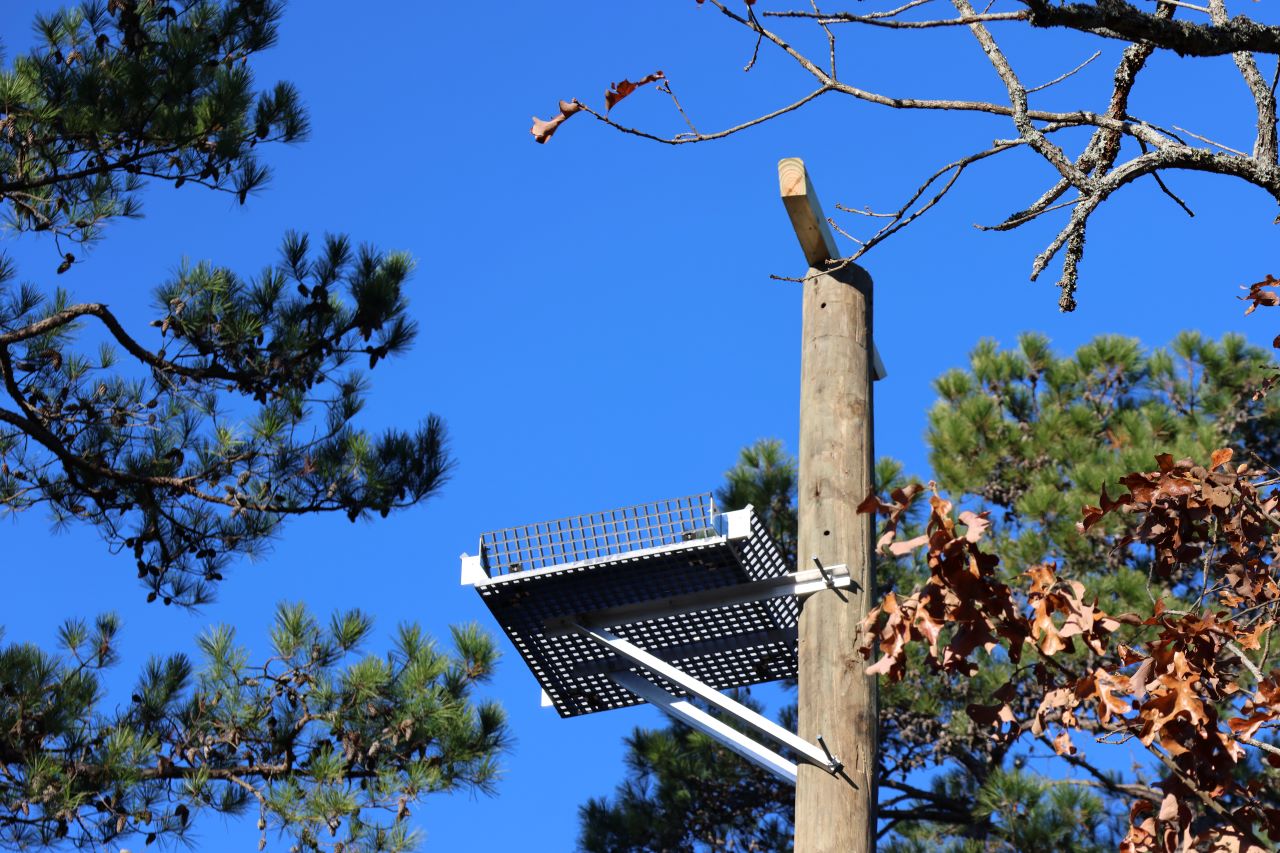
{"points": [[599, 534]]}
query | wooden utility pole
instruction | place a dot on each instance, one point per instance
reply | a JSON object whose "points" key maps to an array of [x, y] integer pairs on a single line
{"points": [[837, 701]]}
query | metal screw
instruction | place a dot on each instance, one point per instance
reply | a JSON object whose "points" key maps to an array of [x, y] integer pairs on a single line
{"points": [[833, 764]]}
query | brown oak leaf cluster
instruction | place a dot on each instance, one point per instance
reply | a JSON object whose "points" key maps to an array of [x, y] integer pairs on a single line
{"points": [[1180, 682], [1263, 294]]}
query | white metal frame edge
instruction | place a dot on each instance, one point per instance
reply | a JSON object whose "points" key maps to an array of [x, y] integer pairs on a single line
{"points": [[737, 524]]}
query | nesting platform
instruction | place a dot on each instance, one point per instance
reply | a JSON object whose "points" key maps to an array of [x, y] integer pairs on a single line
{"points": [[675, 578]]}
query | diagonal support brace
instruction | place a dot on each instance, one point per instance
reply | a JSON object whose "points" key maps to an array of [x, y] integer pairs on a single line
{"points": [[743, 745], [725, 734]]}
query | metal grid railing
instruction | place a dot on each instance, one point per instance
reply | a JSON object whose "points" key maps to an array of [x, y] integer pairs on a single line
{"points": [[599, 534]]}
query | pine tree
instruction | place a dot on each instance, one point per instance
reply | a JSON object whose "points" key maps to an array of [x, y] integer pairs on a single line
{"points": [[684, 789], [146, 450], [317, 739], [190, 447], [1032, 436]]}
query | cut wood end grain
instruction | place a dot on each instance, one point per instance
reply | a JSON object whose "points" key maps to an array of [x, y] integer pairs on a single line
{"points": [[816, 240], [793, 179], [801, 201]]}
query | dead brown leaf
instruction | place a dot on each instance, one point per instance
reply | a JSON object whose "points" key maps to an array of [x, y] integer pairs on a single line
{"points": [[618, 91], [543, 130]]}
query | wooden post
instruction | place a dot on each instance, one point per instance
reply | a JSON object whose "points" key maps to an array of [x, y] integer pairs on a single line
{"points": [[837, 701]]}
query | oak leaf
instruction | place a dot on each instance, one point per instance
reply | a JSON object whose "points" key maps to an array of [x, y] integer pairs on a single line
{"points": [[976, 524], [1259, 295], [618, 91], [543, 130]]}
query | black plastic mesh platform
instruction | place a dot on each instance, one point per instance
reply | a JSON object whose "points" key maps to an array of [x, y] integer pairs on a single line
{"points": [[680, 547]]}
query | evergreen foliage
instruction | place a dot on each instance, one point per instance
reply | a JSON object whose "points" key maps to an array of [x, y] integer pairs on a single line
{"points": [[684, 789], [125, 90], [1032, 436], [318, 739], [193, 453], [189, 449], [765, 478]]}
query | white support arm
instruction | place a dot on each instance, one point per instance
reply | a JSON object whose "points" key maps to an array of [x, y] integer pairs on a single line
{"points": [[741, 712], [728, 736]]}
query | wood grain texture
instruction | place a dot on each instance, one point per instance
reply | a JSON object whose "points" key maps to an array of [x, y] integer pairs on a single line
{"points": [[801, 200], [836, 814], [810, 224]]}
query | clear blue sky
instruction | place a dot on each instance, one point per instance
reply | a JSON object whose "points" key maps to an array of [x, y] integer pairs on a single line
{"points": [[598, 323]]}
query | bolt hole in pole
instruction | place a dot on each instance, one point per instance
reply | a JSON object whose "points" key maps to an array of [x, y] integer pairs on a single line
{"points": [[823, 305], [826, 533]]}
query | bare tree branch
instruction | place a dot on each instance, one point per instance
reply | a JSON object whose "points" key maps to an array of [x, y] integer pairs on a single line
{"points": [[1098, 170], [883, 21], [1265, 146], [1121, 20]]}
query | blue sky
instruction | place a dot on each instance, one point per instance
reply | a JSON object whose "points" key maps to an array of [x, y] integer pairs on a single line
{"points": [[598, 323]]}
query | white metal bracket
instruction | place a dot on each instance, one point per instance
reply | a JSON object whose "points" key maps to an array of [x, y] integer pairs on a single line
{"points": [[685, 711]]}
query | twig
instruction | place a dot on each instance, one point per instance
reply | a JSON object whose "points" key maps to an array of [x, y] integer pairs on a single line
{"points": [[1208, 551], [1018, 219], [1057, 80], [1094, 173], [1250, 665], [888, 13], [1018, 100], [685, 138], [831, 39], [1171, 194], [833, 224], [1102, 780], [1262, 745], [882, 21], [1131, 127], [1205, 139], [755, 54], [866, 212], [1191, 6], [665, 86]]}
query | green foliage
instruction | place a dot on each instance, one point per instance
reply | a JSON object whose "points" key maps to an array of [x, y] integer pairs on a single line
{"points": [[191, 454], [125, 90], [1032, 436], [1036, 436], [190, 450], [243, 418], [765, 478], [1026, 812], [319, 739], [686, 792]]}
